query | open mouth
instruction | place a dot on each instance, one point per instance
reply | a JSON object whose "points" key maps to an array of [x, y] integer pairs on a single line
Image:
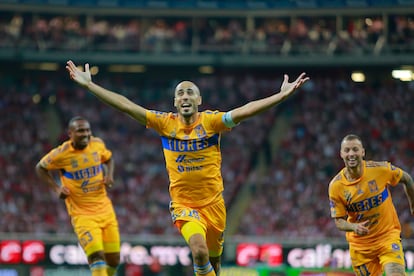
{"points": [[84, 140], [352, 162]]}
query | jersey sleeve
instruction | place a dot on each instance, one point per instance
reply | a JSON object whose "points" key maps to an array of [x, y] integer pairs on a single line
{"points": [[105, 153], [396, 174], [156, 119], [216, 120], [336, 203], [51, 160]]}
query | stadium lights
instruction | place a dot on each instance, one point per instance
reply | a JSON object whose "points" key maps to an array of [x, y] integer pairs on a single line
{"points": [[206, 69], [36, 98], [121, 68], [358, 76], [403, 74], [42, 66]]}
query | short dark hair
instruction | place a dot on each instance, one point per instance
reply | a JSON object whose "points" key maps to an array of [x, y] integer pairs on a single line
{"points": [[74, 119], [351, 137]]}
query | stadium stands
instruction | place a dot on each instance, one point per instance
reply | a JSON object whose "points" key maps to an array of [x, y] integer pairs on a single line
{"points": [[290, 198]]}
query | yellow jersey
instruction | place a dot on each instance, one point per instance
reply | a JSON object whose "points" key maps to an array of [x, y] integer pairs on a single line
{"points": [[82, 172], [192, 155], [367, 198]]}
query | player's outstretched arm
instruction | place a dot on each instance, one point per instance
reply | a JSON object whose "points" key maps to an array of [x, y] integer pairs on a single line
{"points": [[113, 99], [255, 107]]}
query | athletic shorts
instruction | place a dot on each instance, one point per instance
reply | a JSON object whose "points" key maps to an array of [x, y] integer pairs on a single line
{"points": [[211, 217], [97, 233], [371, 261]]}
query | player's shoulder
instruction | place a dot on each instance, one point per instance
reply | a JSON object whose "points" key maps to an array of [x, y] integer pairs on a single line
{"points": [[376, 164], [96, 139], [64, 147], [158, 113], [336, 180], [60, 150], [211, 112], [384, 166]]}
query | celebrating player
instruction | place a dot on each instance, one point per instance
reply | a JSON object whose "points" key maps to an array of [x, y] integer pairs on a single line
{"points": [[86, 170], [361, 205], [191, 144]]}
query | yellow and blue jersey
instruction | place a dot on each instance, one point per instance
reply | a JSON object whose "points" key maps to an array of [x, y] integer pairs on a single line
{"points": [[192, 155], [367, 198], [82, 172]]}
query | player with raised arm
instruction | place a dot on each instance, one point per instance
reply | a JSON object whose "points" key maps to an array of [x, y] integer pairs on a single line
{"points": [[191, 144]]}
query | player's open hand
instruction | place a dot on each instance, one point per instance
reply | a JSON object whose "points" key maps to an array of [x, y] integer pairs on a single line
{"points": [[289, 87], [81, 77], [361, 228]]}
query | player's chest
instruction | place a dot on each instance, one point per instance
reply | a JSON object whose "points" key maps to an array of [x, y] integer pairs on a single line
{"points": [[181, 132], [82, 160], [365, 195]]}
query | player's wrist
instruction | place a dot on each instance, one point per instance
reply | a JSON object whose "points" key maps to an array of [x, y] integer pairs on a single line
{"points": [[88, 84], [354, 227]]}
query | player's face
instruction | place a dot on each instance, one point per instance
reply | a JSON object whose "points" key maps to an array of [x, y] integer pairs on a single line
{"points": [[187, 99], [352, 153], [80, 134]]}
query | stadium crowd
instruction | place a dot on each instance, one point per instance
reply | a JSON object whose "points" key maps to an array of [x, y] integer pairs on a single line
{"points": [[260, 35], [141, 191], [288, 198]]}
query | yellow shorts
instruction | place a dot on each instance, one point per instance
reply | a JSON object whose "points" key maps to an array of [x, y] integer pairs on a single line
{"points": [[212, 218], [97, 233], [371, 261]]}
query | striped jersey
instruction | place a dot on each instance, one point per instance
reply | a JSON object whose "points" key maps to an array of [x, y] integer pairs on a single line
{"points": [[192, 155], [367, 198], [82, 172]]}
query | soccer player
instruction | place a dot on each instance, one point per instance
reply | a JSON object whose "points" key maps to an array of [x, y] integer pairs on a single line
{"points": [[361, 205], [191, 144], [86, 169]]}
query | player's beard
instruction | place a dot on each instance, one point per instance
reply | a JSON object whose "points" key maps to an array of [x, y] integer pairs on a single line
{"points": [[353, 163], [82, 143], [187, 112]]}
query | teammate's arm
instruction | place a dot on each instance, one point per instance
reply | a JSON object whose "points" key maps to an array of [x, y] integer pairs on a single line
{"points": [[113, 99], [255, 107], [109, 172], [359, 228], [45, 176], [407, 180]]}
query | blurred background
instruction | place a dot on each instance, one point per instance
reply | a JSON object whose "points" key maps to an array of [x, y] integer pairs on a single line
{"points": [[359, 55]]}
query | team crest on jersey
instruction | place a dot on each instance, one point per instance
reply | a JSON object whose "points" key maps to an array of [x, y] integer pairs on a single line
{"points": [[95, 156], [85, 158], [373, 187], [173, 134], [74, 163], [200, 131]]}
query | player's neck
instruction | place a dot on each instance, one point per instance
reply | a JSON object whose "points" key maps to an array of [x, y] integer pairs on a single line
{"points": [[189, 120], [353, 174]]}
